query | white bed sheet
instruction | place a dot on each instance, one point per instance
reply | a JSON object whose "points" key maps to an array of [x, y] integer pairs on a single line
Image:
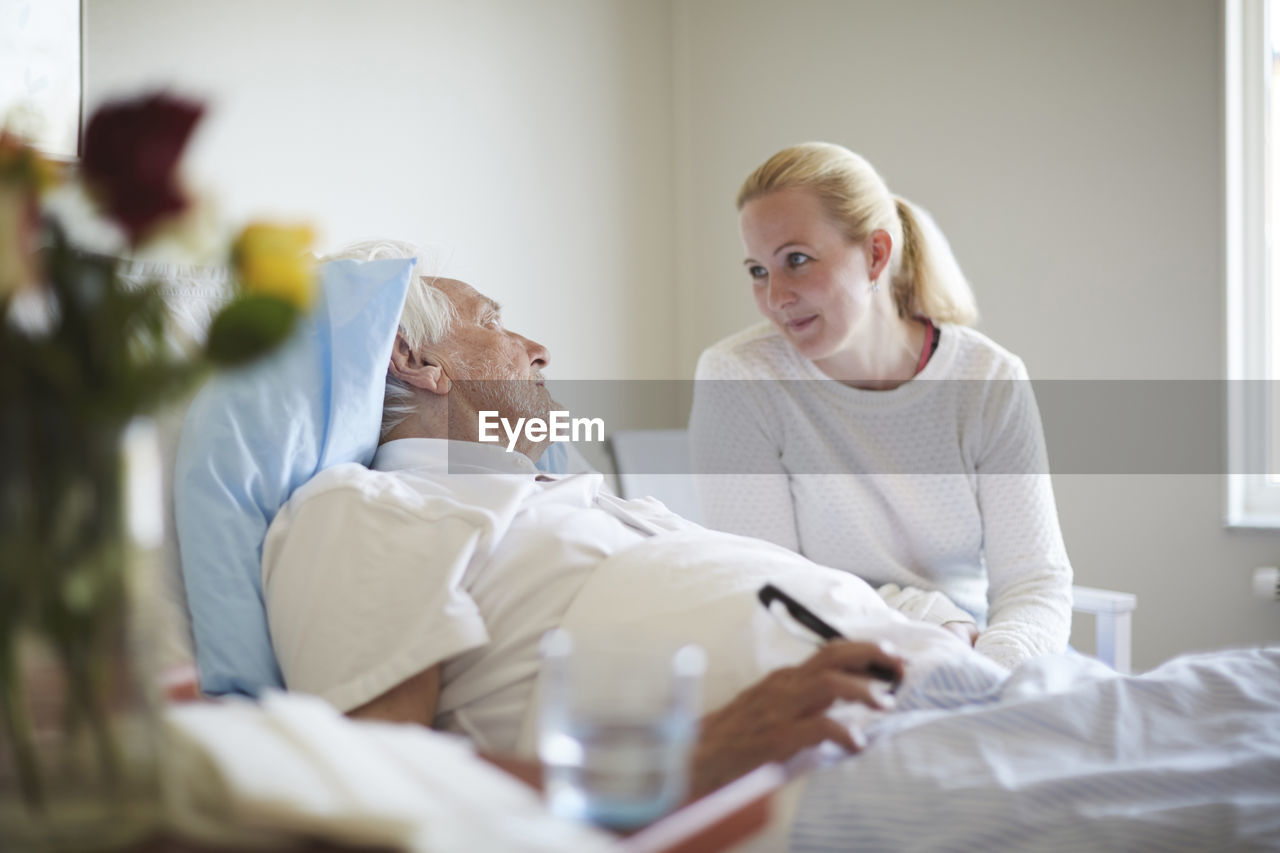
{"points": [[1063, 755]]}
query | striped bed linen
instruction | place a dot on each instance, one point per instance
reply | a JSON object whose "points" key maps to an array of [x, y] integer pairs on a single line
{"points": [[1062, 755]]}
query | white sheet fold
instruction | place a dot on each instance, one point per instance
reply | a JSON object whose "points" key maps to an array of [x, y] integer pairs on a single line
{"points": [[697, 588], [241, 772]]}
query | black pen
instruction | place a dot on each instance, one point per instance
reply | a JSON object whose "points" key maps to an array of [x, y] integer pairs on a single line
{"points": [[769, 594]]}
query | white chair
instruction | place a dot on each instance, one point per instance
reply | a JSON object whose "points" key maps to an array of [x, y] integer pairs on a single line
{"points": [[639, 454]]}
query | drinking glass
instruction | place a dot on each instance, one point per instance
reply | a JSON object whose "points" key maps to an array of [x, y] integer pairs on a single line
{"points": [[617, 722]]}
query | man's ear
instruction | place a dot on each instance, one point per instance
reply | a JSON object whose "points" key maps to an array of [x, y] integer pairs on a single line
{"points": [[421, 370]]}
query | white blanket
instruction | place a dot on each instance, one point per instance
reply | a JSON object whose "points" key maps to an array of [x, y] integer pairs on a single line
{"points": [[1064, 755], [701, 588]]}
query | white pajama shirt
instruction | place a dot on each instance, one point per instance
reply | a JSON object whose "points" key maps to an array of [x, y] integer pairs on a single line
{"points": [[451, 553]]}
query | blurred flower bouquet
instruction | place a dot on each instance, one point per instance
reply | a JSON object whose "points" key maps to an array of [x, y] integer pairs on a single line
{"points": [[82, 354]]}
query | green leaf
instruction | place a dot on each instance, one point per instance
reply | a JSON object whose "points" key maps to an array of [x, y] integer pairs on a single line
{"points": [[248, 328]]}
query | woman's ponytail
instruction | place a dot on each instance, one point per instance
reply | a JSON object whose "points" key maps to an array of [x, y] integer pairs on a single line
{"points": [[928, 281]]}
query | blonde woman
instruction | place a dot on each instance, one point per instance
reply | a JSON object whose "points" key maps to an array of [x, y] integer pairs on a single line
{"points": [[871, 428]]}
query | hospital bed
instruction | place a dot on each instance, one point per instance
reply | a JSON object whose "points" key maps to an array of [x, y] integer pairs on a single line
{"points": [[1085, 708], [639, 456]]}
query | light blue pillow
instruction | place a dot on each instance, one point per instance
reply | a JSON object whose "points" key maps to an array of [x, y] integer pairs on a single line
{"points": [[554, 460], [254, 435]]}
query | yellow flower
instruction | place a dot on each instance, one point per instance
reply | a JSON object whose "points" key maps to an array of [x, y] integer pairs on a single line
{"points": [[23, 165], [272, 260]]}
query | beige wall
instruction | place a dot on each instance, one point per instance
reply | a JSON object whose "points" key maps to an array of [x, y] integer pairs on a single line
{"points": [[528, 142], [578, 159], [1072, 153]]}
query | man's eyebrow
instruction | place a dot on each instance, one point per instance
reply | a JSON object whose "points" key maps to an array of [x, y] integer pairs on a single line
{"points": [[493, 305]]}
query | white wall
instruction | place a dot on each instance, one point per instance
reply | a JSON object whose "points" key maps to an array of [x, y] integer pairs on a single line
{"points": [[528, 142], [578, 160], [1072, 153]]}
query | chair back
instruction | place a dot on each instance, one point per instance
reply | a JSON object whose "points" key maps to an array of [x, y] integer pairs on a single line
{"points": [[656, 462]]}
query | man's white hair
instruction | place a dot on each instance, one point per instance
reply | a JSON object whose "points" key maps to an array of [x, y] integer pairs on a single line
{"points": [[427, 318]]}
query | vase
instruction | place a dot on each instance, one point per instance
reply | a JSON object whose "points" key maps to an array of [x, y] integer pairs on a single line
{"points": [[81, 524]]}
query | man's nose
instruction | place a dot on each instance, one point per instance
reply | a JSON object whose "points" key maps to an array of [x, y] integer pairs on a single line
{"points": [[539, 356]]}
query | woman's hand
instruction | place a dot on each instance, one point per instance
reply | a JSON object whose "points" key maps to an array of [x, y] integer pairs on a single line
{"points": [[786, 711], [967, 631]]}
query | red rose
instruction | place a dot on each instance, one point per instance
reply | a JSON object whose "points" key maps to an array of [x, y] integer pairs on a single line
{"points": [[131, 151]]}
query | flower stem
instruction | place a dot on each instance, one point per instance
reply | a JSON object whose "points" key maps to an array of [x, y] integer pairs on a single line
{"points": [[87, 682], [17, 726]]}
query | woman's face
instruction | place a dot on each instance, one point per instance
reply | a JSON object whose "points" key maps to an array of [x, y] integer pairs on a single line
{"points": [[808, 279]]}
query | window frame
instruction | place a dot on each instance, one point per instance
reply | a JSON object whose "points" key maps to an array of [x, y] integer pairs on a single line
{"points": [[1253, 499]]}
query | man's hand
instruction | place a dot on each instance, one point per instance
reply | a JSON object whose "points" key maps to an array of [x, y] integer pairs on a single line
{"points": [[786, 712]]}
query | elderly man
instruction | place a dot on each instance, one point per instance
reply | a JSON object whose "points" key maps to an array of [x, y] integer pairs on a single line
{"points": [[418, 590]]}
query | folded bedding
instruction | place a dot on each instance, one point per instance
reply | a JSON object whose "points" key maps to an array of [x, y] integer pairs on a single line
{"points": [[266, 774], [1063, 754]]}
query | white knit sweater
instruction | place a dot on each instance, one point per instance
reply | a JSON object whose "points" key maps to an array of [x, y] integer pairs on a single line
{"points": [[941, 483]]}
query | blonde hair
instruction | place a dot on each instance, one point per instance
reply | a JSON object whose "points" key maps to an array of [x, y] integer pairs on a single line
{"points": [[926, 279], [427, 317]]}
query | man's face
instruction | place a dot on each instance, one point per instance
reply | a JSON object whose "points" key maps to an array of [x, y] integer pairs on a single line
{"points": [[492, 368]]}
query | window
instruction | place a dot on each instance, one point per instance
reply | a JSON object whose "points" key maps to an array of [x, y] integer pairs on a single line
{"points": [[40, 72], [1252, 30]]}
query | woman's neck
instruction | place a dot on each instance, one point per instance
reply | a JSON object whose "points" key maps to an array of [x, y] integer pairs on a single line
{"points": [[883, 353]]}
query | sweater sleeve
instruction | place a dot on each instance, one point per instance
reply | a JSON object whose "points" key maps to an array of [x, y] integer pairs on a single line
{"points": [[1029, 574], [924, 605], [742, 485]]}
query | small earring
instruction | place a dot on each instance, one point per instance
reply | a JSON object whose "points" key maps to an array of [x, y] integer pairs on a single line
{"points": [[875, 285]]}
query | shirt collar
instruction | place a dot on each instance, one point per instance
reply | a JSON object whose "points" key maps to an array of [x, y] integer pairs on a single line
{"points": [[447, 456]]}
